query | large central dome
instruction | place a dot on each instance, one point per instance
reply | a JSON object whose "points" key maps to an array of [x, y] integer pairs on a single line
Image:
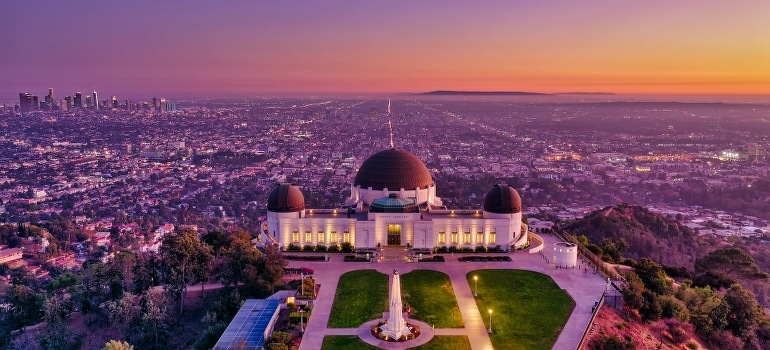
{"points": [[393, 169]]}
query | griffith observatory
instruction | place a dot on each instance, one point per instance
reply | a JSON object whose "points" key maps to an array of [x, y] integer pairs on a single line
{"points": [[393, 202]]}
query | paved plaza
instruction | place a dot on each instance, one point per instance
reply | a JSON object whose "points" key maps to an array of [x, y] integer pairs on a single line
{"points": [[584, 287]]}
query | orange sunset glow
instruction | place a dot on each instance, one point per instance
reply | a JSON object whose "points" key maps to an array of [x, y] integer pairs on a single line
{"points": [[246, 47]]}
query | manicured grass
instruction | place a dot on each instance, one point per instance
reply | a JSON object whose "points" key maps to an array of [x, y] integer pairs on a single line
{"points": [[443, 342], [431, 297], [528, 308], [361, 296], [345, 342]]}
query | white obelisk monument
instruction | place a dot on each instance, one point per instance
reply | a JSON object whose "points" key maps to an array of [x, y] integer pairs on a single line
{"points": [[396, 326]]}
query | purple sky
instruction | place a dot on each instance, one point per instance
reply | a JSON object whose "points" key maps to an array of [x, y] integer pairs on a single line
{"points": [[245, 48]]}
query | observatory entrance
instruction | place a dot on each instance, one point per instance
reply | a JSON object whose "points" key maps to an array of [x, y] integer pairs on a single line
{"points": [[394, 234]]}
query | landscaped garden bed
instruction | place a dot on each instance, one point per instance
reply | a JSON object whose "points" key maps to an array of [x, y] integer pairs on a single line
{"points": [[477, 249], [353, 258], [484, 258], [305, 257], [435, 258]]}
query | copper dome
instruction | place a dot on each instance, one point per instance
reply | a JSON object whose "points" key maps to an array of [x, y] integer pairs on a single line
{"points": [[286, 199], [502, 199], [393, 169]]}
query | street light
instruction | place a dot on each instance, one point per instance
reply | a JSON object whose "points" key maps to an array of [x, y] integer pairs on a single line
{"points": [[475, 285], [301, 326], [490, 321], [302, 284]]}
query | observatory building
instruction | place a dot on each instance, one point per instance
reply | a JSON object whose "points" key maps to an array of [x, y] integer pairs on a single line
{"points": [[393, 202]]}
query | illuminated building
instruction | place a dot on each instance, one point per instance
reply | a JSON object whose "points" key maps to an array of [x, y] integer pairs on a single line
{"points": [[393, 202]]}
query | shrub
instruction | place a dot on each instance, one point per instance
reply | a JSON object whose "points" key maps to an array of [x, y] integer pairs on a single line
{"points": [[279, 337], [672, 307], [354, 258], [294, 317], [276, 346], [677, 271], [717, 280], [210, 335], [611, 342], [726, 340], [346, 247], [308, 248], [678, 331]]}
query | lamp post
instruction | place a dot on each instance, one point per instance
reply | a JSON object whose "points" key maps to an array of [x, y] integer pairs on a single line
{"points": [[301, 325], [475, 285], [490, 321], [302, 284]]}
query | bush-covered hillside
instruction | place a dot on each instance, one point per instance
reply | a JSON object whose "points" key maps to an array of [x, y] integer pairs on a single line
{"points": [[635, 232]]}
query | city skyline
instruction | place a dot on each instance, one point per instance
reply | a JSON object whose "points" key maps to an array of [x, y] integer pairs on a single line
{"points": [[244, 48]]}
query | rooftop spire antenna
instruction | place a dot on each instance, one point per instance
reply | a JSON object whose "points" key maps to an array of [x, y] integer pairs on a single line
{"points": [[390, 126]]}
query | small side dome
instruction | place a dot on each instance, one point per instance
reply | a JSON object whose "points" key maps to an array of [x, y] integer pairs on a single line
{"points": [[502, 199], [393, 204], [286, 198]]}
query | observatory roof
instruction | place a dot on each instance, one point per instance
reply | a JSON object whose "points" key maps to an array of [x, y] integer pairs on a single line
{"points": [[393, 169], [286, 198], [502, 199]]}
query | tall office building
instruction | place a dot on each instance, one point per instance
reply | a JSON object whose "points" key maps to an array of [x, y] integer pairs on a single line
{"points": [[68, 101], [49, 99], [88, 102], [115, 102], [96, 101], [78, 100], [26, 102]]}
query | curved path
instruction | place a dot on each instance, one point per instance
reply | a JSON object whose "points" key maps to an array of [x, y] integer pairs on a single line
{"points": [[584, 288]]}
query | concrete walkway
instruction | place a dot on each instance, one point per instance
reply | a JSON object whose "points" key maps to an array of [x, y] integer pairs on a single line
{"points": [[584, 288]]}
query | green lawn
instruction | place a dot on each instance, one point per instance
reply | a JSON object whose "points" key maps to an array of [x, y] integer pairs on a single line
{"points": [[528, 308], [443, 342], [345, 342], [431, 297], [351, 342], [361, 296]]}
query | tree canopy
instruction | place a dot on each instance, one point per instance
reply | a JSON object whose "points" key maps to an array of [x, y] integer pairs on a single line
{"points": [[730, 261]]}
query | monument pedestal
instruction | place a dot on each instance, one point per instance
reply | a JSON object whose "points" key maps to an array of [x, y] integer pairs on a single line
{"points": [[395, 327]]}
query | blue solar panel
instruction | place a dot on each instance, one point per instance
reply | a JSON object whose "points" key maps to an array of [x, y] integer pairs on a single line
{"points": [[250, 324]]}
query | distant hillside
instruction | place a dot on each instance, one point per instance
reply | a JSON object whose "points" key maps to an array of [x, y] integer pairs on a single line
{"points": [[482, 93], [586, 93], [646, 234]]}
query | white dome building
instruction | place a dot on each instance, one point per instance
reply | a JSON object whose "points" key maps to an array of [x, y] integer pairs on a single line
{"points": [[393, 202]]}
